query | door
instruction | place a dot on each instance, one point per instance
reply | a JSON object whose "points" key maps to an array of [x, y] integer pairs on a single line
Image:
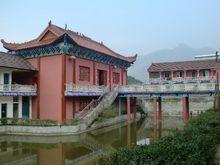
{"points": [[25, 107], [206, 73], [194, 74], [102, 77], [167, 75], [4, 110], [6, 81]]}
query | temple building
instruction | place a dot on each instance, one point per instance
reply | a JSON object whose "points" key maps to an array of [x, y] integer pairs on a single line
{"points": [[197, 70], [64, 70]]}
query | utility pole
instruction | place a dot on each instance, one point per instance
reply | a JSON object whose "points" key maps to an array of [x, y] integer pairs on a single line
{"points": [[217, 93]]}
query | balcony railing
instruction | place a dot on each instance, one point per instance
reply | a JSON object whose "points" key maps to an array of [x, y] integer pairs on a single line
{"points": [[171, 87], [17, 88], [182, 80], [79, 88]]}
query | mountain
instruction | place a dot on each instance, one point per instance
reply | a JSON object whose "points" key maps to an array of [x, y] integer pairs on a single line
{"points": [[180, 53], [132, 80]]}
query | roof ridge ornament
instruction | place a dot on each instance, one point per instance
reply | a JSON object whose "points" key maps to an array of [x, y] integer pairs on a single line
{"points": [[50, 22]]}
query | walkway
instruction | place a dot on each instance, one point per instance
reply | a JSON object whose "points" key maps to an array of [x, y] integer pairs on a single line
{"points": [[182, 89]]}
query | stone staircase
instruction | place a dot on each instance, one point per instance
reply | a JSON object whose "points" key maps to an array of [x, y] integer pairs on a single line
{"points": [[99, 106]]}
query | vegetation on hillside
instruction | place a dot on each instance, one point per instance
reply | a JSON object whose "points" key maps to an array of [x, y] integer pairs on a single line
{"points": [[195, 144], [132, 80]]}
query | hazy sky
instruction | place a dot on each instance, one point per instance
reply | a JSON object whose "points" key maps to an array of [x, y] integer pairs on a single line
{"points": [[126, 26]]}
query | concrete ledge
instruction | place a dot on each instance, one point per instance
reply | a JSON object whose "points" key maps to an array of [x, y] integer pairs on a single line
{"points": [[60, 130], [44, 131]]}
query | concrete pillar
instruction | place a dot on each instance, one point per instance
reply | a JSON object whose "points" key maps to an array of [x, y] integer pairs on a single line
{"points": [[128, 109], [155, 110], [185, 104], [159, 100], [135, 108], [119, 106], [171, 75], [198, 73]]}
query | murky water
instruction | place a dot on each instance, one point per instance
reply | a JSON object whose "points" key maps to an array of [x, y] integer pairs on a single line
{"points": [[85, 148]]}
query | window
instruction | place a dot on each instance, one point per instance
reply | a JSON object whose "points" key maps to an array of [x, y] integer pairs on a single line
{"points": [[194, 74], [155, 75], [179, 74], [6, 78], [116, 77], [205, 73], [15, 99], [4, 110], [15, 110], [84, 73], [15, 107]]}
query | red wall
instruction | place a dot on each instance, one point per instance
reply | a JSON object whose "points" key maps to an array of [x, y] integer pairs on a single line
{"points": [[50, 87]]}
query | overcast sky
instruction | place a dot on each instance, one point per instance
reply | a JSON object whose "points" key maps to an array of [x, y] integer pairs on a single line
{"points": [[126, 26]]}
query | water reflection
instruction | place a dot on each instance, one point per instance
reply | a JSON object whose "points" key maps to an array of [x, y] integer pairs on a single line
{"points": [[85, 148]]}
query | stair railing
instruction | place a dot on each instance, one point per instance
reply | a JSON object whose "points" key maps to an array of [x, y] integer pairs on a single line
{"points": [[91, 105]]}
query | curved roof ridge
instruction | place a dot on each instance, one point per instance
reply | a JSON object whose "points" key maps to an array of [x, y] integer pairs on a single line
{"points": [[81, 40]]}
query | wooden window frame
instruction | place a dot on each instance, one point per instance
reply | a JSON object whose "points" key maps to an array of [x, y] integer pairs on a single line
{"points": [[84, 73], [116, 78]]}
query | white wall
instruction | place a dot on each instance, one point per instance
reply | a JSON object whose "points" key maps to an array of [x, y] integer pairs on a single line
{"points": [[9, 102], [5, 70]]}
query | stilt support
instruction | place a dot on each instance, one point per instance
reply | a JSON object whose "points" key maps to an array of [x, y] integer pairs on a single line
{"points": [[185, 104], [157, 108], [119, 104], [135, 108], [128, 109]]}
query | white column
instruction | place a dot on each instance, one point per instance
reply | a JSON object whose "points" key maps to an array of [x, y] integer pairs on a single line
{"points": [[30, 108], [20, 107]]}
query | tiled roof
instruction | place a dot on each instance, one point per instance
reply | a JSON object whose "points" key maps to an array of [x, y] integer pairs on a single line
{"points": [[184, 65], [81, 40], [13, 61]]}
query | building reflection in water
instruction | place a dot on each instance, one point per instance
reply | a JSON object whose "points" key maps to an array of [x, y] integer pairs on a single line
{"points": [[83, 149]]}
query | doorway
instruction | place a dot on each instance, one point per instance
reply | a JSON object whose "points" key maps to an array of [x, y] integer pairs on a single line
{"points": [[102, 77], [25, 107], [6, 81], [4, 110]]}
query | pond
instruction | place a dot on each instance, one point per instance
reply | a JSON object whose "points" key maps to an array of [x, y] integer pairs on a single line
{"points": [[85, 148]]}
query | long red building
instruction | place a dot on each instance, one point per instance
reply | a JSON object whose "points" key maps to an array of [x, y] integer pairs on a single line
{"points": [[70, 70], [183, 70]]}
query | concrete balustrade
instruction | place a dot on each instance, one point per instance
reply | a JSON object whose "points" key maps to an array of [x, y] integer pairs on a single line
{"points": [[171, 87], [71, 87], [17, 88]]}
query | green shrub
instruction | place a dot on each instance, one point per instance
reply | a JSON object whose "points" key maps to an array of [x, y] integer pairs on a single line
{"points": [[195, 144], [71, 122], [27, 122], [42, 122], [108, 113]]}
